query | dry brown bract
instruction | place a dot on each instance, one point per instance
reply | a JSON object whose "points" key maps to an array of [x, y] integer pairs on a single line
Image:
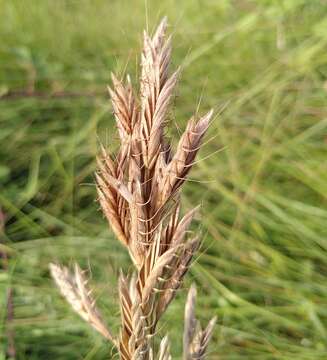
{"points": [[138, 190]]}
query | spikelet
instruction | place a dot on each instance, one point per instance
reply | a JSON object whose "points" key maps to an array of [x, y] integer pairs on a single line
{"points": [[164, 351], [195, 340], [74, 288], [134, 343]]}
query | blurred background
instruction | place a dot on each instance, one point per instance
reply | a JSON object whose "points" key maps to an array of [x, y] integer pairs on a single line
{"points": [[262, 180]]}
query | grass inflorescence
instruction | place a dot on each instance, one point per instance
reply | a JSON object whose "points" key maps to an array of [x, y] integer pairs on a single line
{"points": [[262, 268]]}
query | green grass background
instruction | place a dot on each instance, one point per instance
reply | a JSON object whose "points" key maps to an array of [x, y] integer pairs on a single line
{"points": [[262, 182]]}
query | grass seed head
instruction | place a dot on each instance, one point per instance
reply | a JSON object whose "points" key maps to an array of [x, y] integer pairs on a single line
{"points": [[139, 193]]}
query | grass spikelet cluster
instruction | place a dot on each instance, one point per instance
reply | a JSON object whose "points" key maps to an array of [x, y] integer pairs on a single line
{"points": [[139, 193]]}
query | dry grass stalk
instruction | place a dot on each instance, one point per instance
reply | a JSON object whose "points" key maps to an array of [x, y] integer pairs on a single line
{"points": [[138, 190], [4, 264]]}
